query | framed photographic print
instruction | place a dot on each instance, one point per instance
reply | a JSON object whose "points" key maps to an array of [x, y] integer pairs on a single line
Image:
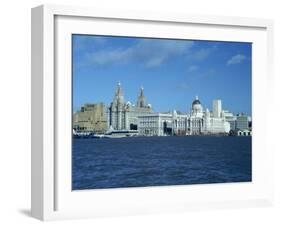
{"points": [[137, 112]]}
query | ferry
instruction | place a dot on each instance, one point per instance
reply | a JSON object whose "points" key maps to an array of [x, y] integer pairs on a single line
{"points": [[109, 134], [121, 133], [80, 134]]}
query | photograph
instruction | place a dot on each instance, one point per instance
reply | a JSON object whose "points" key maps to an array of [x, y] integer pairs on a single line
{"points": [[150, 111]]}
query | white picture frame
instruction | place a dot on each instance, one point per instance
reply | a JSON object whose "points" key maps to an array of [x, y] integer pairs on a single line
{"points": [[51, 164]]}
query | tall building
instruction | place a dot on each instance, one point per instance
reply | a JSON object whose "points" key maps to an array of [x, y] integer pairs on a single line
{"points": [[124, 115], [141, 103], [217, 108], [117, 110], [91, 118]]}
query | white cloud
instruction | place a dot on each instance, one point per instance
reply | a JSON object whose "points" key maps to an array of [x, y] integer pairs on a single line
{"points": [[149, 52], [236, 59], [203, 53]]}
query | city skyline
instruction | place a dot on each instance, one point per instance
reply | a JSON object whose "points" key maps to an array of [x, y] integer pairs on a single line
{"points": [[172, 72]]}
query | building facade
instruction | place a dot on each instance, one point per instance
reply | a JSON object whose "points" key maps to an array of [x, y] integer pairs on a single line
{"points": [[198, 122], [163, 124], [217, 108], [242, 122], [196, 119], [206, 122], [231, 118], [124, 115], [91, 118]]}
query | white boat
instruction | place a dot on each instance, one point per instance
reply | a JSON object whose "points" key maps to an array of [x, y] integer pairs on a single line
{"points": [[80, 134], [121, 133]]}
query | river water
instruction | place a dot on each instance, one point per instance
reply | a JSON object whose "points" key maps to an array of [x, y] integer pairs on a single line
{"points": [[156, 161]]}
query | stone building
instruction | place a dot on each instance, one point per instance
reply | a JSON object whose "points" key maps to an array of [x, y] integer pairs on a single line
{"points": [[124, 115], [231, 118], [206, 122], [162, 124], [91, 118], [196, 123]]}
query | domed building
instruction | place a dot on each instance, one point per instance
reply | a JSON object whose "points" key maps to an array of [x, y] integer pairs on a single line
{"points": [[206, 122], [196, 121], [123, 115], [196, 106]]}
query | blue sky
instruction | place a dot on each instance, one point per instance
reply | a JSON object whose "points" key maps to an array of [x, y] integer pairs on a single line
{"points": [[172, 72]]}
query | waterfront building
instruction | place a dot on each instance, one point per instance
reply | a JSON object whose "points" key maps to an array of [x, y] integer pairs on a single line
{"points": [[203, 122], [215, 125], [163, 124], [180, 123], [242, 122], [196, 120], [123, 115], [91, 118], [231, 118], [217, 108], [174, 123]]}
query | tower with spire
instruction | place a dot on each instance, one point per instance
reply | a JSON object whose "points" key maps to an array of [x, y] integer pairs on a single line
{"points": [[141, 102], [116, 112], [123, 115], [119, 96]]}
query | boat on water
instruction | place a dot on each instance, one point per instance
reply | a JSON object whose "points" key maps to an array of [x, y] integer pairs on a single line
{"points": [[82, 134], [121, 133], [109, 134]]}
